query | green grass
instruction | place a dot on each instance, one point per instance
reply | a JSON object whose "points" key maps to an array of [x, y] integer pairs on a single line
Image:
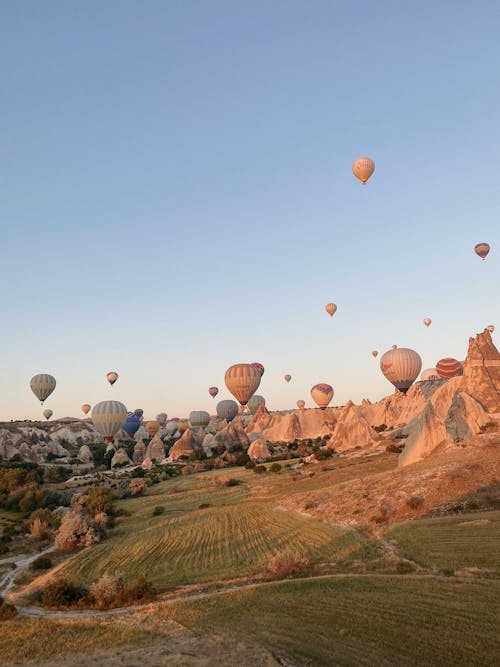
{"points": [[446, 543], [25, 639], [235, 537], [365, 621]]}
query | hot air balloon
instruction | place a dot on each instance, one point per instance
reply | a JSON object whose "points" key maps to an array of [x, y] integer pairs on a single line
{"points": [[363, 168], [42, 385], [162, 418], [448, 368], [131, 425], [322, 394], [401, 367], [152, 428], [227, 409], [491, 328], [374, 353], [182, 425], [86, 408], [111, 377], [301, 404], [171, 428], [331, 308], [288, 378], [429, 374], [108, 418], [427, 321], [242, 380], [259, 367], [138, 413], [198, 419], [394, 347], [47, 414], [482, 249], [213, 391], [255, 402]]}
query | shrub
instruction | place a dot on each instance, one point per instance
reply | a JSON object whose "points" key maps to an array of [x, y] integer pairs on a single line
{"points": [[137, 487], [394, 449], [141, 591], [77, 530], [323, 453], [414, 502], [275, 467], [288, 564], [41, 563], [204, 506], [242, 459], [106, 588], [225, 481], [39, 523], [250, 465], [259, 470], [138, 472], [32, 500], [382, 516], [159, 509], [7, 611], [448, 572], [380, 428], [61, 593], [99, 500]]}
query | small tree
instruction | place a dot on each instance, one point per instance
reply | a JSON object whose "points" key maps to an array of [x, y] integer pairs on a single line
{"points": [[137, 486], [106, 588]]}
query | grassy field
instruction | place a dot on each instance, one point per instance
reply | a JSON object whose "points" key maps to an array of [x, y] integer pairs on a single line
{"points": [[359, 621], [24, 639], [452, 542], [234, 537]]}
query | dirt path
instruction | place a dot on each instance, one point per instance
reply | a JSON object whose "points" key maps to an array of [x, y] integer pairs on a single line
{"points": [[21, 562]]}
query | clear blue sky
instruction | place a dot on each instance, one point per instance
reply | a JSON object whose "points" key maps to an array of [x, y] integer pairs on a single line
{"points": [[176, 194]]}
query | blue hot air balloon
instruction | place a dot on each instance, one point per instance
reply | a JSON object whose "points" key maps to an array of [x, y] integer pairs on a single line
{"points": [[131, 424]]}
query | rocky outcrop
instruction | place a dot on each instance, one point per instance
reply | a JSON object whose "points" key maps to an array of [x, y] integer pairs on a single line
{"points": [[481, 378], [208, 444], [85, 455], [258, 450], [120, 459], [352, 430], [232, 435], [147, 464], [293, 425], [183, 448], [425, 434], [139, 452], [156, 449], [465, 417]]}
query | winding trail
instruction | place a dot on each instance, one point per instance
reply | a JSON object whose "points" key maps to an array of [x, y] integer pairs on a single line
{"points": [[21, 562]]}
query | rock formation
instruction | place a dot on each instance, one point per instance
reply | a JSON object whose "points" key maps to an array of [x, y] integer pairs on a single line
{"points": [[183, 448], [352, 430], [139, 452], [156, 449], [85, 455], [258, 450], [120, 459], [481, 378]]}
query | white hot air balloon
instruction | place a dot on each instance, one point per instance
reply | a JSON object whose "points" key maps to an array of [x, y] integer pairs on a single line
{"points": [[108, 418]]}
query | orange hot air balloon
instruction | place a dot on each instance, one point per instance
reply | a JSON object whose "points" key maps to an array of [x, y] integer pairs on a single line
{"points": [[242, 380], [491, 328], [322, 394], [301, 404], [152, 428], [449, 368], [427, 321], [259, 367], [111, 377], [288, 377], [213, 391], [86, 408], [363, 168], [482, 249], [331, 308], [374, 353], [401, 367]]}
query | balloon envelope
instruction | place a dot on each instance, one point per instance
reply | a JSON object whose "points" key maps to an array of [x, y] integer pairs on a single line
{"points": [[42, 385], [259, 367], [227, 409], [374, 353], [242, 380], [363, 168], [213, 391], [108, 418], [491, 328], [86, 408], [152, 428], [255, 402], [131, 425], [171, 428], [47, 414], [111, 377], [301, 404], [448, 368], [138, 413], [331, 308], [401, 367], [482, 249], [162, 418], [429, 374], [198, 419], [288, 378], [427, 321], [322, 394]]}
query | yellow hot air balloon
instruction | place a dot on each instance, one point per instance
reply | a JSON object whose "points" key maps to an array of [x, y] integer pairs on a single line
{"points": [[182, 426], [374, 353], [152, 428], [401, 367], [301, 404], [42, 385], [331, 309], [242, 380], [111, 377], [427, 321], [288, 377], [363, 168], [86, 408], [322, 394]]}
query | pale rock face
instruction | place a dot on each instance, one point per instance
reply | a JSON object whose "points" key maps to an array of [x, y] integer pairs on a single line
{"points": [[139, 452], [231, 435], [465, 417], [38, 453], [120, 458], [56, 449], [184, 447], [156, 449], [75, 434], [260, 420], [85, 455], [258, 450], [426, 434], [141, 433], [294, 425], [208, 443], [7, 449], [481, 378], [198, 437], [147, 464], [352, 430], [256, 435]]}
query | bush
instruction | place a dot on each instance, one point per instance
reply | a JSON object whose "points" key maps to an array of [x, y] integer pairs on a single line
{"points": [[141, 591], [77, 530], [159, 509], [39, 523], [242, 459], [99, 500], [275, 467], [259, 470], [106, 588], [288, 564], [7, 611], [415, 502], [323, 453], [204, 506], [394, 449], [250, 465], [32, 500], [138, 472], [61, 593], [137, 487], [41, 563], [380, 428], [225, 481]]}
